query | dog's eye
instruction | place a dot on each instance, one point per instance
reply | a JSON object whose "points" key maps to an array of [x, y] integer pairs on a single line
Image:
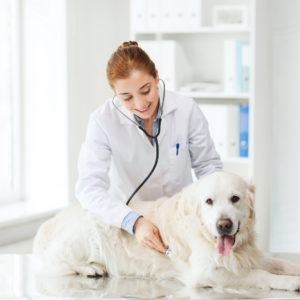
{"points": [[209, 201], [235, 199]]}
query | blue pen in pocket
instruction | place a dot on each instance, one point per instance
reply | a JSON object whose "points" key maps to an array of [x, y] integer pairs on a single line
{"points": [[177, 149]]}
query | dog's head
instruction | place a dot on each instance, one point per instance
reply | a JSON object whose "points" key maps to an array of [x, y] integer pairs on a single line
{"points": [[224, 203]]}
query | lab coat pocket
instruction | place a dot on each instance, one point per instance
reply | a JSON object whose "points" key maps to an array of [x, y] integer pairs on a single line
{"points": [[180, 163]]}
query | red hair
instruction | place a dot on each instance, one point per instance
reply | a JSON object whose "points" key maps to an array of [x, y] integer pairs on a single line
{"points": [[128, 57]]}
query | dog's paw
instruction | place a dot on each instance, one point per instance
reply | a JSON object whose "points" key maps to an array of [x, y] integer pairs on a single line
{"points": [[288, 283], [91, 270], [293, 270]]}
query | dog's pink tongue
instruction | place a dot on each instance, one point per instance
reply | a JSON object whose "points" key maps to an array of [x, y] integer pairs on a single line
{"points": [[224, 244]]}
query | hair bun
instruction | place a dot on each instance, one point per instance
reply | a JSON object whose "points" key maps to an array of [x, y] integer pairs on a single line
{"points": [[128, 44]]}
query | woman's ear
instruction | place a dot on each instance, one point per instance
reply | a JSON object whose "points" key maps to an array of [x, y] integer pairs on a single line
{"points": [[157, 76]]}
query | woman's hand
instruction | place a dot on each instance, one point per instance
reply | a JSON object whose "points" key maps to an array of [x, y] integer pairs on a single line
{"points": [[147, 235]]}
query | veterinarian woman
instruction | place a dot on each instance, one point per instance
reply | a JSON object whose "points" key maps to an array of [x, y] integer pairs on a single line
{"points": [[116, 156]]}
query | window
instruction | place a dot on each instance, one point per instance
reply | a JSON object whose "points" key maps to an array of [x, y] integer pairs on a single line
{"points": [[9, 189]]}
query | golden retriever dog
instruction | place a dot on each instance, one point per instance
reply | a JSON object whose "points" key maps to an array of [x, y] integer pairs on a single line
{"points": [[209, 227]]}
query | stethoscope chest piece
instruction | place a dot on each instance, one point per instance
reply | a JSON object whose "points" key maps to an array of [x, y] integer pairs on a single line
{"points": [[168, 252]]}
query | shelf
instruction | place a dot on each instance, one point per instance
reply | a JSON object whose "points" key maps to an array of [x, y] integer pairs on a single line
{"points": [[236, 160], [218, 98], [200, 30], [220, 95]]}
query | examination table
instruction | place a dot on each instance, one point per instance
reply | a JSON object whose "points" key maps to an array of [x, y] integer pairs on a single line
{"points": [[18, 281]]}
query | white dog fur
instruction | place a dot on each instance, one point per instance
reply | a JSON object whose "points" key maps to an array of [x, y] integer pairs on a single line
{"points": [[76, 241]]}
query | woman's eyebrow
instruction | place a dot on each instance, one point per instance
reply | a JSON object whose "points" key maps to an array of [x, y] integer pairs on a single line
{"points": [[139, 89], [144, 85]]}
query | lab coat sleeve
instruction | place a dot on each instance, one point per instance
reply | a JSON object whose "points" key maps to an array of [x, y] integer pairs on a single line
{"points": [[93, 182], [204, 157], [129, 221]]}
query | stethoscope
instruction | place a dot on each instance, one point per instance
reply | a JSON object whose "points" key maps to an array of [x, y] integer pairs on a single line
{"points": [[148, 135], [168, 251]]}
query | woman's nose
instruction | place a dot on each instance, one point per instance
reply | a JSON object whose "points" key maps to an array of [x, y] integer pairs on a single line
{"points": [[140, 104]]}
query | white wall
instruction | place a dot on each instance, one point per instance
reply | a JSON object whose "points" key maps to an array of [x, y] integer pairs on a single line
{"points": [[285, 169], [95, 30], [260, 117], [66, 45], [64, 51], [44, 101]]}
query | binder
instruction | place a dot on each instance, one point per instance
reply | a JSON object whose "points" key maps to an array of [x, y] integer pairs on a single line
{"points": [[216, 118], [236, 66], [230, 66], [223, 122], [165, 15], [244, 130], [245, 66], [179, 8], [153, 15], [239, 66], [232, 130], [193, 16], [168, 18], [138, 15]]}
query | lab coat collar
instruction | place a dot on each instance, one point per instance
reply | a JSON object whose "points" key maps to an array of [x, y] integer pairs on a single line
{"points": [[169, 106], [123, 119]]}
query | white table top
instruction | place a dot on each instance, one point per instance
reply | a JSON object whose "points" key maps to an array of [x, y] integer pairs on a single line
{"points": [[18, 281]]}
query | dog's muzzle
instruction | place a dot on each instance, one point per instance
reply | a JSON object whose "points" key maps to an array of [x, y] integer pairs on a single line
{"points": [[224, 226], [226, 241]]}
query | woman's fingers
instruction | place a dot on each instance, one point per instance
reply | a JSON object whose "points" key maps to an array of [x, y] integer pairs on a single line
{"points": [[151, 244], [157, 243], [147, 234]]}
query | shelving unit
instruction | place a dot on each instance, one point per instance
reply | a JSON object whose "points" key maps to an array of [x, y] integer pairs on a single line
{"points": [[218, 98], [236, 160], [210, 42], [203, 47], [200, 95], [204, 29]]}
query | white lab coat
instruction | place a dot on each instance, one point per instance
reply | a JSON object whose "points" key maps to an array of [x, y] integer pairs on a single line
{"points": [[116, 156]]}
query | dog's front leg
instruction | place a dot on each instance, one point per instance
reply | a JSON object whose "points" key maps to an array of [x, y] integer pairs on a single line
{"points": [[248, 279], [280, 267]]}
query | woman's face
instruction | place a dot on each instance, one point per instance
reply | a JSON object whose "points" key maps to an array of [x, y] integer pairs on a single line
{"points": [[138, 94]]}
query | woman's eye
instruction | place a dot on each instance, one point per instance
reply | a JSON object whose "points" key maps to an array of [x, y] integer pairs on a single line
{"points": [[145, 93], [209, 201]]}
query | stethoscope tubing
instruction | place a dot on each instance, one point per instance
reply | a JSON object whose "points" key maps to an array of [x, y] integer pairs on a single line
{"points": [[155, 164]]}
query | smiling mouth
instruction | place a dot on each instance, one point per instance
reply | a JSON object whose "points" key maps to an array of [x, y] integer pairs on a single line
{"points": [[144, 110], [226, 242]]}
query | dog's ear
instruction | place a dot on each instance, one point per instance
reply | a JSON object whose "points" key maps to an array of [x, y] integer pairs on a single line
{"points": [[251, 196]]}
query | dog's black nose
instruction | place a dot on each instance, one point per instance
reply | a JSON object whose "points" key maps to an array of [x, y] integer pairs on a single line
{"points": [[224, 226]]}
